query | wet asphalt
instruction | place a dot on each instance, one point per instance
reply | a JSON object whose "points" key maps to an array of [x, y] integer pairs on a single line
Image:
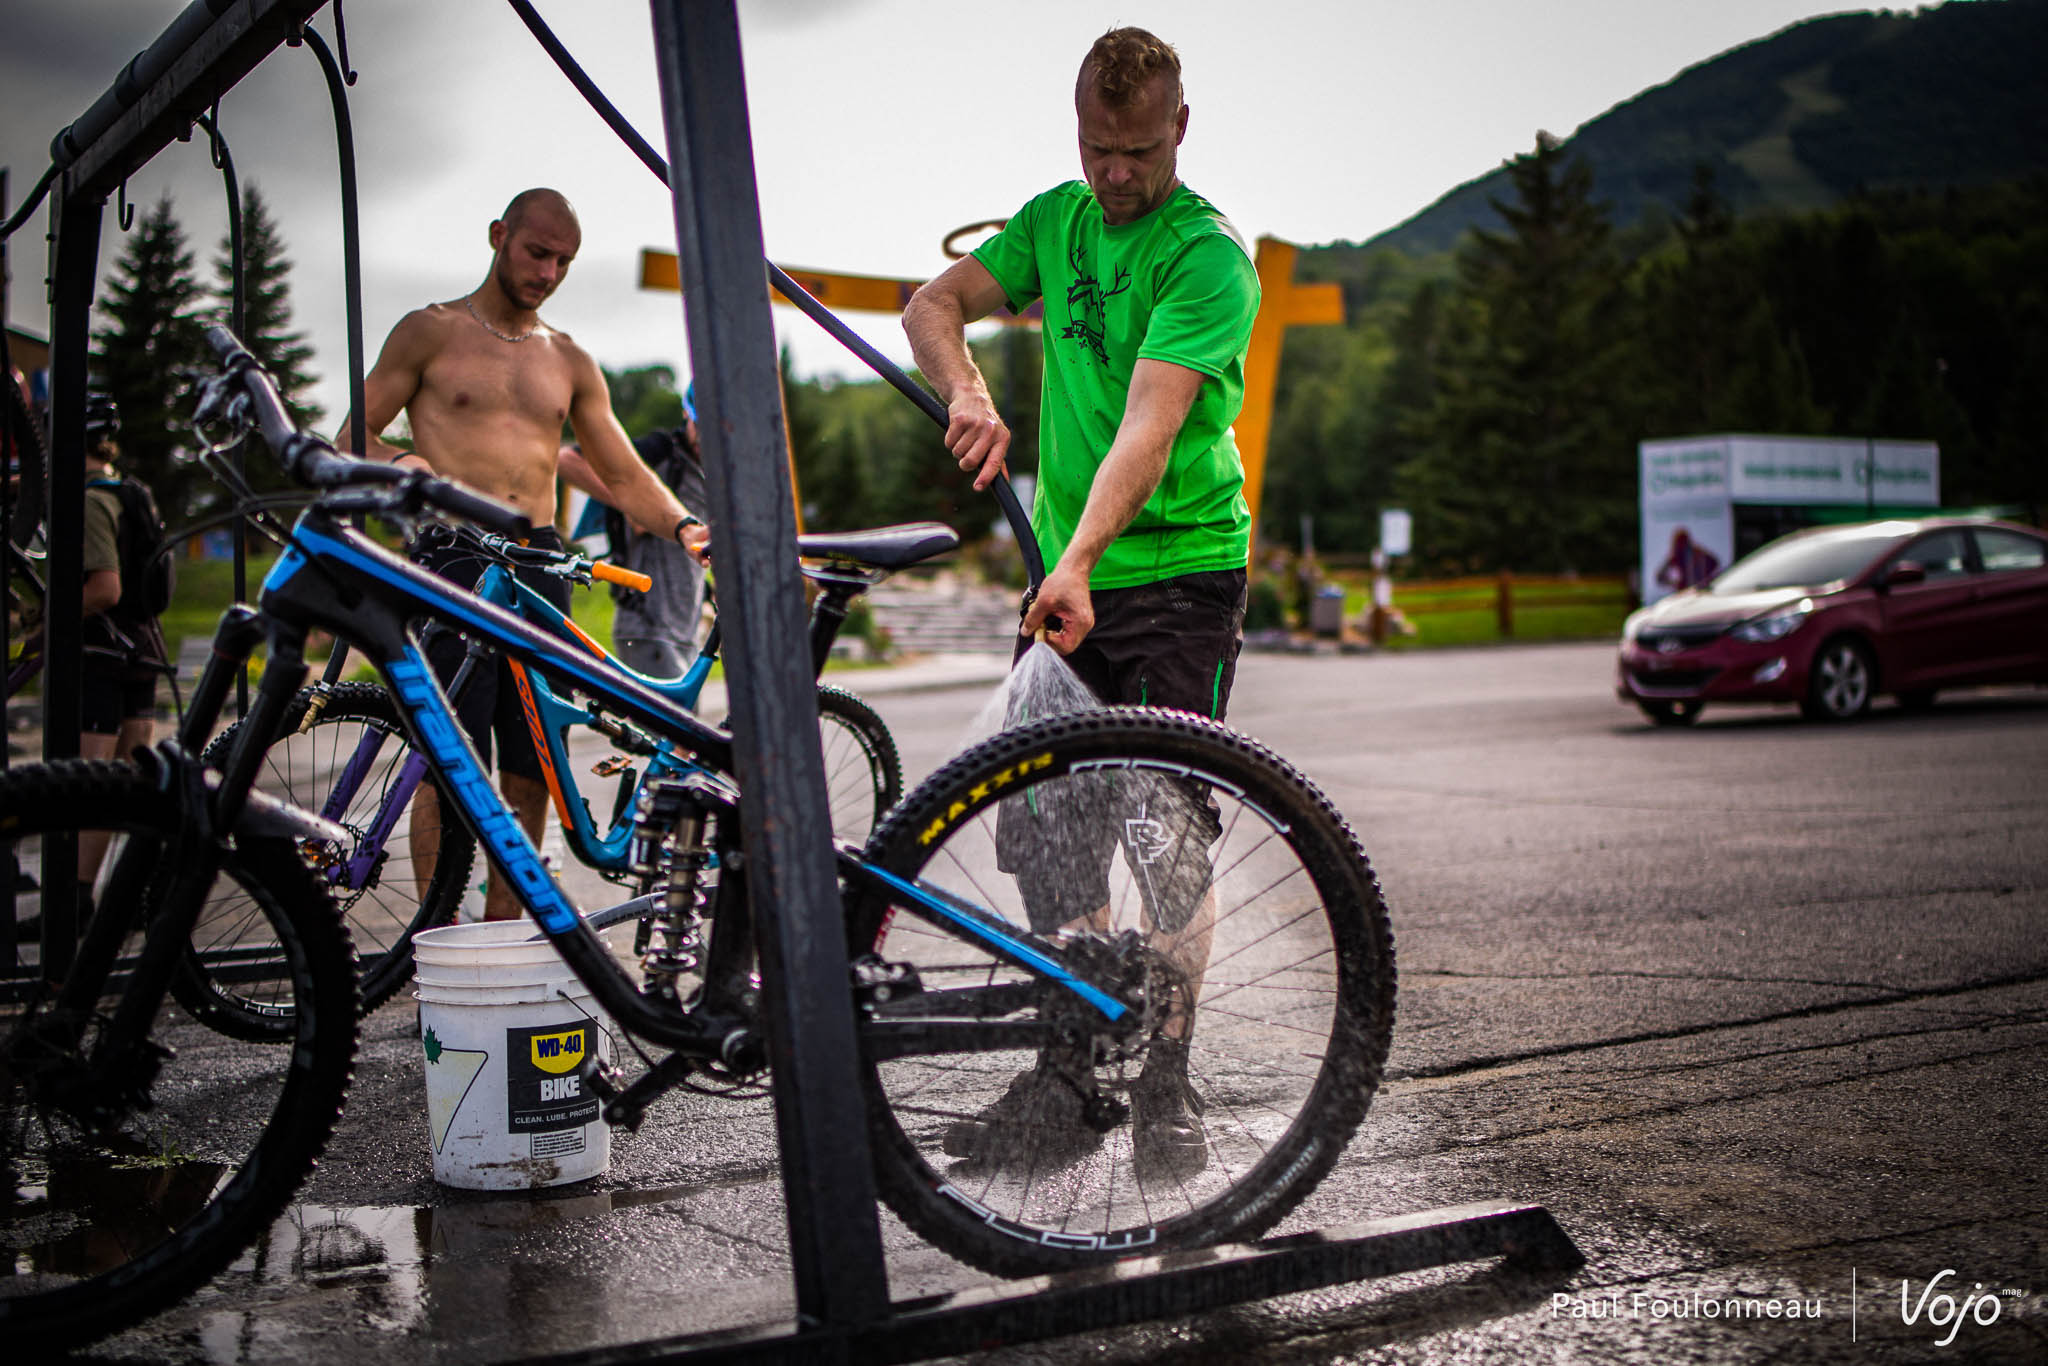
{"points": [[1758, 1010]]}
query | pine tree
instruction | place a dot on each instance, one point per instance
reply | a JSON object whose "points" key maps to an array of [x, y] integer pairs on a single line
{"points": [[1712, 354], [1529, 463], [151, 334], [267, 304]]}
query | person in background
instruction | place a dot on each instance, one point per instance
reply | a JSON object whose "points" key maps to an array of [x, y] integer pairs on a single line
{"points": [[486, 385], [654, 633], [127, 583]]}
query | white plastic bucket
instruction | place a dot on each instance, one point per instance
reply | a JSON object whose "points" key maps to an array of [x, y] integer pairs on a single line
{"points": [[504, 1025]]}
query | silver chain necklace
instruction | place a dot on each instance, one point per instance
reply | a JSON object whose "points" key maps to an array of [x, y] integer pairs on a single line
{"points": [[501, 336]]}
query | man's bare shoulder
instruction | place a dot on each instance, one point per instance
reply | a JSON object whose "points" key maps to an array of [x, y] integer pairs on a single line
{"points": [[564, 346], [423, 331]]}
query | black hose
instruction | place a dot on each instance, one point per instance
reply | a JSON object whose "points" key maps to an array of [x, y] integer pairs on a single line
{"points": [[1005, 495], [238, 316], [351, 255], [28, 206], [351, 238]]}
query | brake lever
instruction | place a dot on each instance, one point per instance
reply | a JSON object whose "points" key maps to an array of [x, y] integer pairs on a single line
{"points": [[221, 404]]}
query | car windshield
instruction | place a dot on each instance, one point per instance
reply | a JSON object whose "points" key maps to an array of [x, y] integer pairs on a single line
{"points": [[1807, 561]]}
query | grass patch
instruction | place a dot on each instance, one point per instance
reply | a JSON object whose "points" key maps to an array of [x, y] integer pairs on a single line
{"points": [[1465, 612]]}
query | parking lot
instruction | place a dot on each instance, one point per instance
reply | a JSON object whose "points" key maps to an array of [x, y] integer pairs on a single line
{"points": [[1758, 1009]]}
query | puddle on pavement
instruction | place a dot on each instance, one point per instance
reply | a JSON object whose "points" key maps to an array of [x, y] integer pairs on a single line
{"points": [[78, 1215], [431, 1270]]}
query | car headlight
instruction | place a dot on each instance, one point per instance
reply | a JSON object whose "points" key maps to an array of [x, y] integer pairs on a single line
{"points": [[1777, 625], [1632, 624]]}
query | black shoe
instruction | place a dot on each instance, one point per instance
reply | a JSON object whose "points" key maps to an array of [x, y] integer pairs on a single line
{"points": [[1037, 1120], [1167, 1141]]}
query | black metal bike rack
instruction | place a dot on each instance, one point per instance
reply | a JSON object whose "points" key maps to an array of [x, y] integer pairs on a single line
{"points": [[843, 1311]]}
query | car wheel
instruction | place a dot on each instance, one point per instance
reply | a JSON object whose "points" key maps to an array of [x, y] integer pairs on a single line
{"points": [[1842, 680], [1667, 713], [1917, 699]]}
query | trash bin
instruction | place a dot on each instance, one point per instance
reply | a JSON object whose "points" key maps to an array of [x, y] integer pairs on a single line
{"points": [[1326, 612]]}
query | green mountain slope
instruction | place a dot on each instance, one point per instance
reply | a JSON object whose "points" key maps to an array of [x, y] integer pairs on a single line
{"points": [[1953, 95]]}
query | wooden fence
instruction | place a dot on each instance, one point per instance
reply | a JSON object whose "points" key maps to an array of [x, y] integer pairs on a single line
{"points": [[1506, 592]]}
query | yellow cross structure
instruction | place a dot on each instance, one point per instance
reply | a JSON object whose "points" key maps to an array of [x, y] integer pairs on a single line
{"points": [[1283, 304]]}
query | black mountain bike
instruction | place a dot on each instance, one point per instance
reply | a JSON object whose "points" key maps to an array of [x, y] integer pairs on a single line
{"points": [[341, 751], [1175, 871]]}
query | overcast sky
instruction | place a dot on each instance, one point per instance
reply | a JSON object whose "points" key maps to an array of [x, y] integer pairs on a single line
{"points": [[879, 126]]}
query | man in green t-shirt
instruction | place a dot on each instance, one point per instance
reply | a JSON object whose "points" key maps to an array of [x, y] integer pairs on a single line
{"points": [[1149, 296]]}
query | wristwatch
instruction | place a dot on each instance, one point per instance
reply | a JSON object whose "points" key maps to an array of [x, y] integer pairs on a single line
{"points": [[688, 519]]}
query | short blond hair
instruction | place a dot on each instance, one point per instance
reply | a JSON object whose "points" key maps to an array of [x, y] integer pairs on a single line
{"points": [[1124, 63]]}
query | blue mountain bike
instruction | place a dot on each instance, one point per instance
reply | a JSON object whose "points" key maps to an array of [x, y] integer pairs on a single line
{"points": [[342, 752], [1102, 904]]}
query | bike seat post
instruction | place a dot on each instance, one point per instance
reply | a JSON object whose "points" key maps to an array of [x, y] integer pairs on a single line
{"points": [[836, 592]]}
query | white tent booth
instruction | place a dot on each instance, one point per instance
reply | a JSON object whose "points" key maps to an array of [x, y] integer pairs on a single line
{"points": [[1708, 500]]}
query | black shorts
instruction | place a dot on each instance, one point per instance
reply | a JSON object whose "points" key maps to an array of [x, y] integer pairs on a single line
{"points": [[1168, 644], [489, 703], [113, 694]]}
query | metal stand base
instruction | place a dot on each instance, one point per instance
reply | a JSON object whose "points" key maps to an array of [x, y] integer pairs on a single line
{"points": [[1136, 1291]]}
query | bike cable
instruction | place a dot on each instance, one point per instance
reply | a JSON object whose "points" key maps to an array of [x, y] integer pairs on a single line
{"points": [[802, 299]]}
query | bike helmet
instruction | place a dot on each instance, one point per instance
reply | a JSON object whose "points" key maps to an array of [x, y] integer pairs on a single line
{"points": [[102, 415]]}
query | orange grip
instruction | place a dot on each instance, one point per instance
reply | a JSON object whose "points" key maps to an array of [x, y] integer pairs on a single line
{"points": [[611, 573]]}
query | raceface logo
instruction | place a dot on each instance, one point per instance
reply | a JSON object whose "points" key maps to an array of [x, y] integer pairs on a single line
{"points": [[1146, 839]]}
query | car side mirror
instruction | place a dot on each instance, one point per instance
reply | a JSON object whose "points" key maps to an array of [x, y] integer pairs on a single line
{"points": [[1905, 572]]}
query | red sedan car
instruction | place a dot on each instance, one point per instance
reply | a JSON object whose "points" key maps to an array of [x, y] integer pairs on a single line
{"points": [[1831, 616]]}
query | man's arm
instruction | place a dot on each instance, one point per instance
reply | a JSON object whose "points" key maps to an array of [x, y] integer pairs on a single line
{"points": [[1161, 394], [935, 320], [618, 468], [576, 472], [102, 590], [389, 387]]}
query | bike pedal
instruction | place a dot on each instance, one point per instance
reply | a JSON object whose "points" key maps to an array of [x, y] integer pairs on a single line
{"points": [[600, 1077], [1103, 1113]]}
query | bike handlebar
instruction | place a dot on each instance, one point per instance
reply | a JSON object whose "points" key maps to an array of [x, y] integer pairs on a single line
{"points": [[565, 563], [627, 578], [314, 462]]}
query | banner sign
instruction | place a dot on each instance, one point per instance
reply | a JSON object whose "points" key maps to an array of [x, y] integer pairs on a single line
{"points": [[1689, 488]]}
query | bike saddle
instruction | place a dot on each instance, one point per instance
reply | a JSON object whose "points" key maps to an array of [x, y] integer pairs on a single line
{"points": [[884, 547]]}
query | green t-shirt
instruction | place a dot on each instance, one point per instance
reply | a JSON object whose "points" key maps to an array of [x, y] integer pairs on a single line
{"points": [[1176, 285]]}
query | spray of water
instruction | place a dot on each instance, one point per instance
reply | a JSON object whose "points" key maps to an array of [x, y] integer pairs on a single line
{"points": [[1039, 685]]}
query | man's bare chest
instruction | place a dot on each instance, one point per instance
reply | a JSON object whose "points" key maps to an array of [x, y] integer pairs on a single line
{"points": [[501, 381]]}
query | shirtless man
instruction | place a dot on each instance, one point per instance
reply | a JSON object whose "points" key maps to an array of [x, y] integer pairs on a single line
{"points": [[486, 386]]}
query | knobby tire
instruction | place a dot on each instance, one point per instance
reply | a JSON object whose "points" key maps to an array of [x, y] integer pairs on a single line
{"points": [[225, 981], [113, 1221], [1293, 1004]]}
